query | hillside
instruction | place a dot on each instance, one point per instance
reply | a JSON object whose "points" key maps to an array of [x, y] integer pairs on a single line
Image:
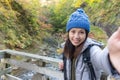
{"points": [[25, 24]]}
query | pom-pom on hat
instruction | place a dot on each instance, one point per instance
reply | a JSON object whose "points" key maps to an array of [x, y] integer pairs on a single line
{"points": [[78, 19]]}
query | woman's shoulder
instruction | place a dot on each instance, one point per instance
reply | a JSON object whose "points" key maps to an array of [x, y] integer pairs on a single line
{"points": [[91, 41]]}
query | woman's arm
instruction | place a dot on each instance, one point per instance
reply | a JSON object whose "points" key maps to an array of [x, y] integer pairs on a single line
{"points": [[114, 49]]}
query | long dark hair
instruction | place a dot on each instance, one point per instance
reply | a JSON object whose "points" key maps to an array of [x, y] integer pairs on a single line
{"points": [[69, 48]]}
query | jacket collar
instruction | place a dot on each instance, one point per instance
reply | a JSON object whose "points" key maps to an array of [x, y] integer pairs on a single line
{"points": [[90, 41]]}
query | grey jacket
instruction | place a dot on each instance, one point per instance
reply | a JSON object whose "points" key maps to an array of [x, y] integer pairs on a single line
{"points": [[99, 59]]}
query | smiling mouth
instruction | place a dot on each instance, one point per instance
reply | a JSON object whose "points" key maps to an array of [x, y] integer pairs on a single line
{"points": [[76, 42]]}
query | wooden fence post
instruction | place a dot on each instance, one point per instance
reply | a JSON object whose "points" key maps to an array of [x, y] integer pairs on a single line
{"points": [[39, 76]]}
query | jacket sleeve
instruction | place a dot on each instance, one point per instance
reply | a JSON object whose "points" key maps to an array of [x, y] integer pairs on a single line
{"points": [[100, 59]]}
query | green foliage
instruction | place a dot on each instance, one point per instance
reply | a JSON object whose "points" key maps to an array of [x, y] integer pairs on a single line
{"points": [[20, 23], [98, 34], [106, 14], [25, 22], [97, 13], [60, 14]]}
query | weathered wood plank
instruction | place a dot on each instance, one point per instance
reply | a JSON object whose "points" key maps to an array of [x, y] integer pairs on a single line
{"points": [[109, 77], [2, 51], [7, 70], [34, 56], [10, 77], [35, 68], [1, 54], [39, 76]]}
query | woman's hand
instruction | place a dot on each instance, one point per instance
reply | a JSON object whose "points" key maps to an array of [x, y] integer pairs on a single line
{"points": [[61, 65], [114, 49]]}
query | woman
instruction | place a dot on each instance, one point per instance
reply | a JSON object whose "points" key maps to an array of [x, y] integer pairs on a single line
{"points": [[78, 27]]}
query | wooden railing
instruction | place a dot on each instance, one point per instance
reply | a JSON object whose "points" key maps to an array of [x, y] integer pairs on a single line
{"points": [[8, 63]]}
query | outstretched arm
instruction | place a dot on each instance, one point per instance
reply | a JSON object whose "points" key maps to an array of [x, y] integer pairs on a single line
{"points": [[114, 49]]}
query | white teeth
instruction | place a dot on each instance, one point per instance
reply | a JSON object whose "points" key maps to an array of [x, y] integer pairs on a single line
{"points": [[76, 41]]}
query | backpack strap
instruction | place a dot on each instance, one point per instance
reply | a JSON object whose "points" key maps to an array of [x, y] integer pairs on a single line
{"points": [[86, 59], [64, 67]]}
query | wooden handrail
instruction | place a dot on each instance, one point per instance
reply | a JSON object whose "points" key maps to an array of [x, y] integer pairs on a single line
{"points": [[33, 67]]}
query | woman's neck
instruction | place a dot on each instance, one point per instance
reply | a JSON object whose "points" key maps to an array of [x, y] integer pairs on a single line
{"points": [[78, 50]]}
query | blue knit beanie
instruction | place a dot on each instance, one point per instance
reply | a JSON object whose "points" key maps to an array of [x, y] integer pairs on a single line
{"points": [[78, 19]]}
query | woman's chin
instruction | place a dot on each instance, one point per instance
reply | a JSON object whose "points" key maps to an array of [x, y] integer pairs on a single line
{"points": [[75, 45]]}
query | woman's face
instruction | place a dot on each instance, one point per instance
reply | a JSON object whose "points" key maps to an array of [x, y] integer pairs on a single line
{"points": [[77, 36]]}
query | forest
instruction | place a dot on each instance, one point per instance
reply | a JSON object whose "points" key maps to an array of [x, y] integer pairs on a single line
{"points": [[31, 24]]}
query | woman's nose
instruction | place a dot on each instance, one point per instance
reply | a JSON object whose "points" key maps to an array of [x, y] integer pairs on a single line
{"points": [[76, 35]]}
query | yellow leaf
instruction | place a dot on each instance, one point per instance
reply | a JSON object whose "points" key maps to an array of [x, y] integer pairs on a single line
{"points": [[59, 51]]}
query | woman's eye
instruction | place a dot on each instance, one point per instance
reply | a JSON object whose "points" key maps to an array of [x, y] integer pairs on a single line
{"points": [[72, 31], [82, 32]]}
